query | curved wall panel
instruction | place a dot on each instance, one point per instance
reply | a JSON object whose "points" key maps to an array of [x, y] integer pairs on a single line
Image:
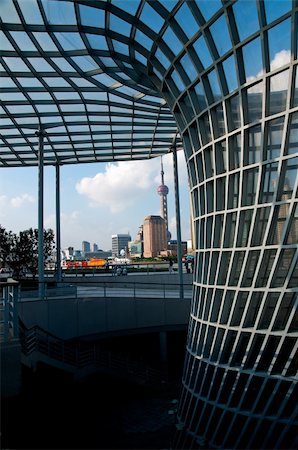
{"points": [[233, 92]]}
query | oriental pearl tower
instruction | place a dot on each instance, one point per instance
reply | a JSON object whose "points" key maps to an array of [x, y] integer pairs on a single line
{"points": [[163, 191]]}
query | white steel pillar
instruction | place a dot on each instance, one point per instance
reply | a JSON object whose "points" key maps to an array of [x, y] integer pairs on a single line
{"points": [[41, 288], [178, 226]]}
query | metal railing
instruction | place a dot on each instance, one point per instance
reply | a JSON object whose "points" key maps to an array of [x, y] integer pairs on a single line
{"points": [[9, 297], [125, 289], [77, 356]]}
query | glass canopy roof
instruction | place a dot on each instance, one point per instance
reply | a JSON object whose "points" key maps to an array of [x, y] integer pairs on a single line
{"points": [[79, 70]]}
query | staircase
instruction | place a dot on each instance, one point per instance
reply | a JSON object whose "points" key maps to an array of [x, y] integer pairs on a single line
{"points": [[83, 359]]}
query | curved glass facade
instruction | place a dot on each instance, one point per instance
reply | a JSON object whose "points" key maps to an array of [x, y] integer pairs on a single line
{"points": [[120, 80]]}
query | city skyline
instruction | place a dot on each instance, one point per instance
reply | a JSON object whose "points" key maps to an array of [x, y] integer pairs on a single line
{"points": [[97, 200]]}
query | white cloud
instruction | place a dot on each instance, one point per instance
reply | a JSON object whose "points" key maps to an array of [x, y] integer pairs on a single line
{"points": [[119, 187], [3, 200], [279, 82], [17, 202]]}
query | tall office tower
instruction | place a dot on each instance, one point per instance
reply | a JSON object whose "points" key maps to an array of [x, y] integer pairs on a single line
{"points": [[86, 247], [163, 191], [95, 247], [154, 236], [120, 242]]}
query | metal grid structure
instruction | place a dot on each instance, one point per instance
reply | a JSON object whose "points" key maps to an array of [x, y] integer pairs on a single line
{"points": [[225, 73]]}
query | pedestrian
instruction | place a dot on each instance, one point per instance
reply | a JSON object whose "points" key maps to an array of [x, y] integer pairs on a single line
{"points": [[171, 266]]}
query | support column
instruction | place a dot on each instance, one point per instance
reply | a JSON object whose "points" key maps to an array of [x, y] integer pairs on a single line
{"points": [[58, 236], [178, 226], [41, 288]]}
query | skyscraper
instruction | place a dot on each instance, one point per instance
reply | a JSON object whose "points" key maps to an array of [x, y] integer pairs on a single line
{"points": [[154, 235], [163, 191], [120, 242], [86, 247]]}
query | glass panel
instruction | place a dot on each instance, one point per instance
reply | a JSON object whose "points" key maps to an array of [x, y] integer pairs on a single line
{"points": [[279, 86], [274, 137], [202, 51], [16, 64], [246, 16], [63, 65], [250, 269], [282, 269], [209, 8], [253, 309], [266, 266], [70, 41], [252, 150], [97, 42], [162, 58], [260, 226], [277, 224], [230, 230], [129, 6], [30, 12], [254, 102], [201, 99], [189, 68], [144, 40], [233, 194], [209, 162], [250, 183], [252, 57], [235, 151], [295, 87], [214, 84], [244, 228], [92, 17], [151, 18], [285, 309], [230, 73], [220, 194], [293, 136], [187, 21], [268, 183], [292, 235], [239, 308], [218, 121], [221, 157], [220, 34], [41, 65], [60, 12], [236, 268], [288, 179], [119, 25], [172, 41], [178, 81], [8, 12], [23, 41], [268, 311], [277, 8], [279, 41], [234, 117]]}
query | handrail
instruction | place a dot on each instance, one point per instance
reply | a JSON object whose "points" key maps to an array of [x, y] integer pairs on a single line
{"points": [[108, 288], [82, 356]]}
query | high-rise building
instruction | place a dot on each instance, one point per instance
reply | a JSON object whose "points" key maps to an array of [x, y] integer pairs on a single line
{"points": [[86, 247], [163, 191], [154, 236], [95, 247], [120, 242]]}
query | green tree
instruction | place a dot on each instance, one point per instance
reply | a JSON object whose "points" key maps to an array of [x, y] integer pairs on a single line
{"points": [[21, 252], [7, 245]]}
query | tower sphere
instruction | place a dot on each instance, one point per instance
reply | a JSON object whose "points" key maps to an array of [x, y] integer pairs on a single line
{"points": [[163, 189]]}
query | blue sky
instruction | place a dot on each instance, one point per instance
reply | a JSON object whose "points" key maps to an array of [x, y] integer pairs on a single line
{"points": [[97, 200]]}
